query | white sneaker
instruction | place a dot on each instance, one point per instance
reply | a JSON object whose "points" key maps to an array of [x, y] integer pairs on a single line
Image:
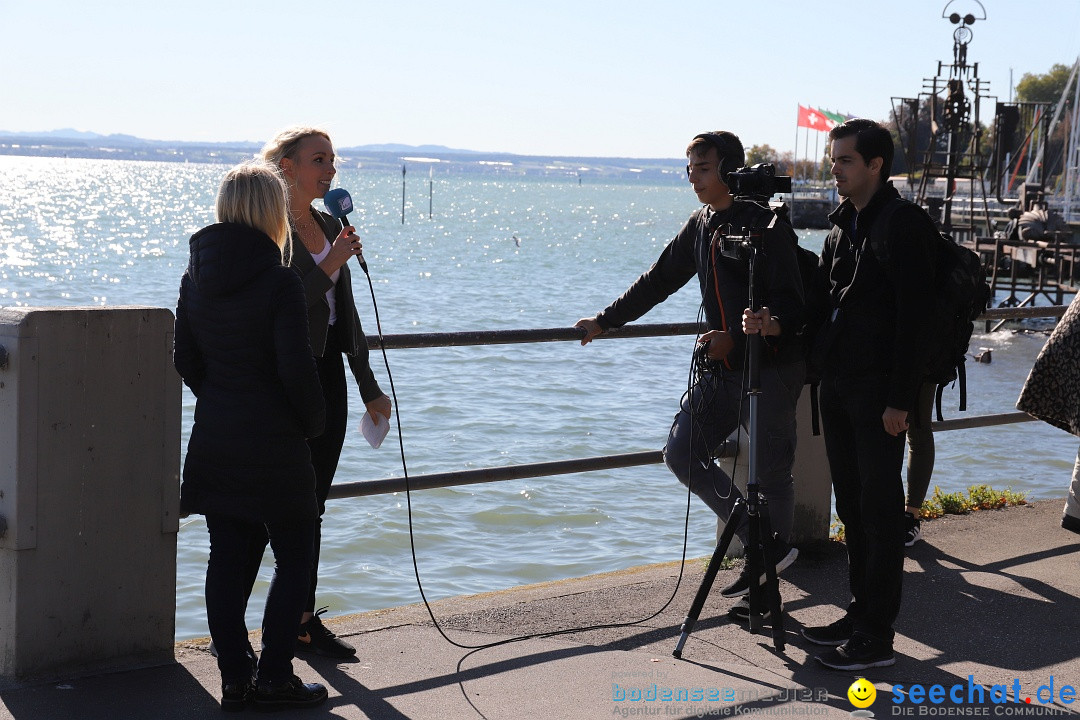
{"points": [[912, 529]]}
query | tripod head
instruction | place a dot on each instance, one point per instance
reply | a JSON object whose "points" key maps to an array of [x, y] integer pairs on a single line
{"points": [[744, 244]]}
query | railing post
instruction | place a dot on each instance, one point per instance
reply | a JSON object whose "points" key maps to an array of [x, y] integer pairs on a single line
{"points": [[89, 460]]}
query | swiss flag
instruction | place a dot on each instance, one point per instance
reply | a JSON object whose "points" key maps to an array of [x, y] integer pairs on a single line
{"points": [[813, 119]]}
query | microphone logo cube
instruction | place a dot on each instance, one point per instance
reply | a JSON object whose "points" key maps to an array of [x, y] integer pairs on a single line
{"points": [[345, 204]]}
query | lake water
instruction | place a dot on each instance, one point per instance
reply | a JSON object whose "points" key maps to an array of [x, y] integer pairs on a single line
{"points": [[500, 252]]}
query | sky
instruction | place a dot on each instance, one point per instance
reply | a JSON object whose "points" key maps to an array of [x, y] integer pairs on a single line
{"points": [[600, 78]]}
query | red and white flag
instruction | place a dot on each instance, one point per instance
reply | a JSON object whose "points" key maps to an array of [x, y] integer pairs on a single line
{"points": [[814, 119]]}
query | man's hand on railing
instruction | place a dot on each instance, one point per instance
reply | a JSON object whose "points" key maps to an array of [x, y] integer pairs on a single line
{"points": [[591, 328]]}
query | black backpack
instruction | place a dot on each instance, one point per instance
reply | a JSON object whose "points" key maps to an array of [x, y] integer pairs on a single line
{"points": [[962, 295]]}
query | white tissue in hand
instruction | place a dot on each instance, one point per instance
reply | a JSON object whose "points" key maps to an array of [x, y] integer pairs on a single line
{"points": [[374, 432]]}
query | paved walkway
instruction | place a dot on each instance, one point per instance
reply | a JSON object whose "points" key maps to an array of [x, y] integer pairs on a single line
{"points": [[992, 595]]}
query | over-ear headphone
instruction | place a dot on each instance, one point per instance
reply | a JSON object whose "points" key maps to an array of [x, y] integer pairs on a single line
{"points": [[729, 150]]}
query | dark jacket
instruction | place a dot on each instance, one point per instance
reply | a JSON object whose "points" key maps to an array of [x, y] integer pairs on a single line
{"points": [[724, 279], [351, 333], [878, 315], [241, 345]]}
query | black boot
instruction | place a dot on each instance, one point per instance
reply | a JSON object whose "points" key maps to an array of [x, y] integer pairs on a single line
{"points": [[291, 693], [235, 694], [316, 638]]}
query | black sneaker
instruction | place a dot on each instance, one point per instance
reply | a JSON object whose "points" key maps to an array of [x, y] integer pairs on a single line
{"points": [[859, 653], [835, 633], [291, 693], [912, 529], [235, 694], [783, 556], [316, 638], [741, 610], [1070, 523]]}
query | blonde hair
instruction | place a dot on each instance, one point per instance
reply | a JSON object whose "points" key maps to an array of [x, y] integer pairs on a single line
{"points": [[287, 141], [254, 194]]}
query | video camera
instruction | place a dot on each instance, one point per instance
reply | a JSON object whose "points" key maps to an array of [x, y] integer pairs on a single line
{"points": [[757, 182]]}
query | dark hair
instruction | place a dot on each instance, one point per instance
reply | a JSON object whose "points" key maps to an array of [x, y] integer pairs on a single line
{"points": [[871, 141], [729, 149]]}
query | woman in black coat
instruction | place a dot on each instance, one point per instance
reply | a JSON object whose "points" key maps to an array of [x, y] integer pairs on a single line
{"points": [[320, 250], [241, 345]]}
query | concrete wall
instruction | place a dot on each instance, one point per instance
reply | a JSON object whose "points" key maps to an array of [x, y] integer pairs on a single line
{"points": [[813, 484], [89, 489]]}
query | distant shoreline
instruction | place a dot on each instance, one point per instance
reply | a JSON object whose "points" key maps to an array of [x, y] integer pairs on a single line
{"points": [[417, 159]]}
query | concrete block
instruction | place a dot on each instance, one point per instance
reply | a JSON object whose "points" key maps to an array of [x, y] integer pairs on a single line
{"points": [[89, 489]]}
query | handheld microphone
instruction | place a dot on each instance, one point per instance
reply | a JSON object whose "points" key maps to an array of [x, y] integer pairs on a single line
{"points": [[338, 203]]}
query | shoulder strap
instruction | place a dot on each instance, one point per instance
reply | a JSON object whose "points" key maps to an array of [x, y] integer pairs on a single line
{"points": [[878, 241]]}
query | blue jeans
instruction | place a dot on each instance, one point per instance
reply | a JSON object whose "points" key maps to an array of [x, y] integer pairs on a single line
{"points": [[234, 545], [710, 412]]}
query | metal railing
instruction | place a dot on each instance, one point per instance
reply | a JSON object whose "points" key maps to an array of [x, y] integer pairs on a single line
{"points": [[604, 462]]}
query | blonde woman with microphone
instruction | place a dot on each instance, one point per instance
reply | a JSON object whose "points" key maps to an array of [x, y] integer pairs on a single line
{"points": [[320, 252]]}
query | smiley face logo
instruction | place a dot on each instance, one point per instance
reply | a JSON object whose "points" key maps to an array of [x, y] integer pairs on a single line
{"points": [[862, 693]]}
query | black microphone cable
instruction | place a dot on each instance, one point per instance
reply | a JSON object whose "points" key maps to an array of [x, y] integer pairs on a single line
{"points": [[412, 541]]}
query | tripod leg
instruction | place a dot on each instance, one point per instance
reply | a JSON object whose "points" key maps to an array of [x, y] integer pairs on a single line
{"points": [[755, 562], [772, 582], [717, 559]]}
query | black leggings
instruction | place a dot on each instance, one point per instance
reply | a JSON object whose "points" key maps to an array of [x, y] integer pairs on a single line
{"points": [[326, 449], [920, 438]]}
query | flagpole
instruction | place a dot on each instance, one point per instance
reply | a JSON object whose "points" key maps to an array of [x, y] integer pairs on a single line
{"points": [[795, 165], [806, 149], [817, 159]]}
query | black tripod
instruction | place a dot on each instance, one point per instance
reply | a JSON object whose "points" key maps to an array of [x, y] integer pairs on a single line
{"points": [[754, 506]]}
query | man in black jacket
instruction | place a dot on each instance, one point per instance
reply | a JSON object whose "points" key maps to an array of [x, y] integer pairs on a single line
{"points": [[717, 404], [871, 354]]}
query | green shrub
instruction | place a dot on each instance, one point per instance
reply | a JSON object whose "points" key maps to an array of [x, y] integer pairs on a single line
{"points": [[836, 530], [951, 503], [979, 497]]}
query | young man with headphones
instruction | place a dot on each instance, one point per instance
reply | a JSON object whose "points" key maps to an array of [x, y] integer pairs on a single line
{"points": [[717, 404]]}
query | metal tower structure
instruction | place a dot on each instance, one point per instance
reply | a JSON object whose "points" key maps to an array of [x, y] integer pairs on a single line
{"points": [[950, 162]]}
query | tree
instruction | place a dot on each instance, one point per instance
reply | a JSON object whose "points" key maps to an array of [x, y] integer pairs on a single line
{"points": [[1048, 88], [787, 164], [762, 154], [1045, 88]]}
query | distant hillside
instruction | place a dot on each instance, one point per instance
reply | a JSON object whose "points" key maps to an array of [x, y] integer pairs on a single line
{"points": [[390, 156]]}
